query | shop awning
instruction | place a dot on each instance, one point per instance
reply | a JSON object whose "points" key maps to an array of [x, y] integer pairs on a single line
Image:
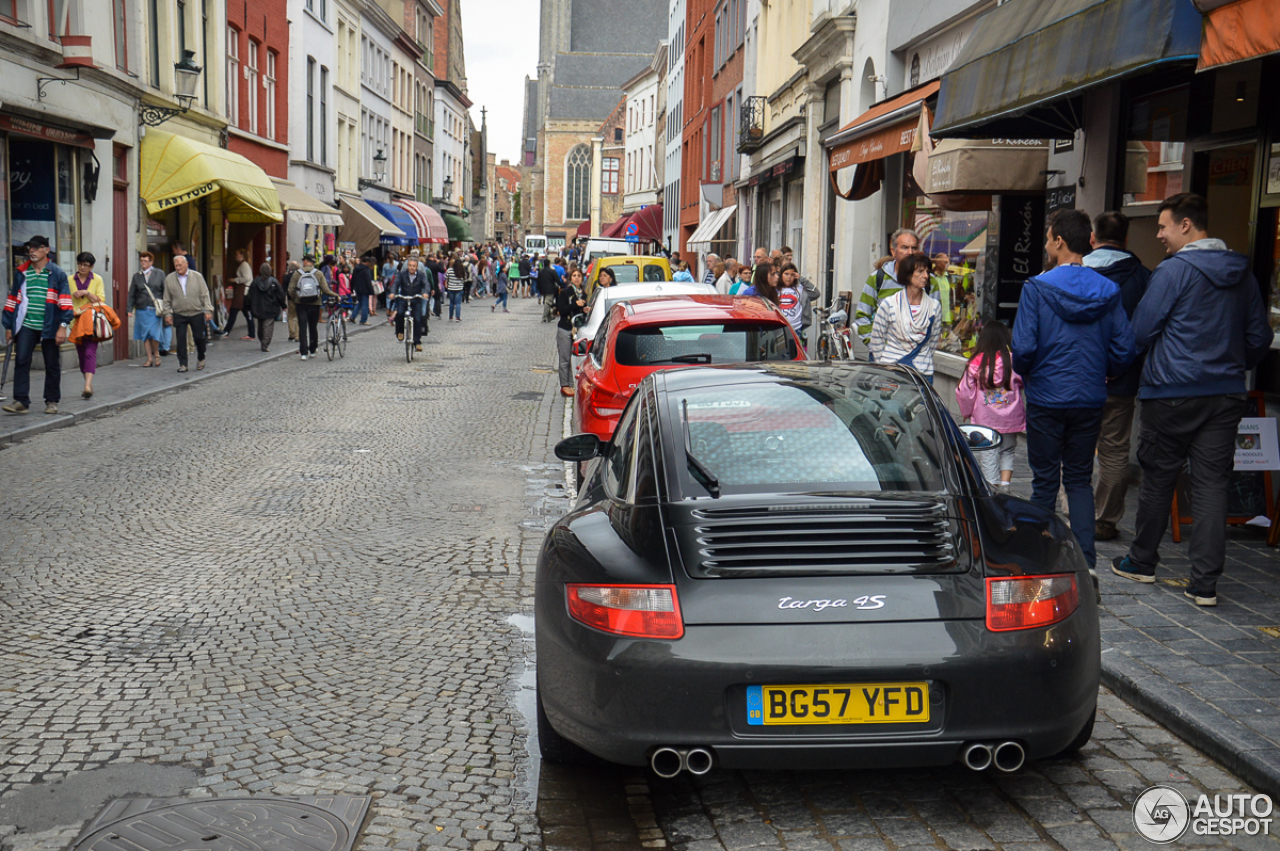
{"points": [[300, 207], [645, 226], [366, 227], [459, 230], [1025, 60], [431, 228], [885, 129], [399, 218], [987, 166], [709, 228], [176, 170], [584, 230], [614, 231], [1238, 30]]}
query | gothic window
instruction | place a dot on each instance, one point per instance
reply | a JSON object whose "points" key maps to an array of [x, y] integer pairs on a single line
{"points": [[577, 184]]}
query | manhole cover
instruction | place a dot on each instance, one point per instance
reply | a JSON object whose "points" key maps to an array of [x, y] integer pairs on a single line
{"points": [[527, 396], [226, 824]]}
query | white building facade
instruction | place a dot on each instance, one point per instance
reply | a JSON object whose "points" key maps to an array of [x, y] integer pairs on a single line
{"points": [[452, 146], [313, 148], [377, 70], [673, 136], [643, 156]]}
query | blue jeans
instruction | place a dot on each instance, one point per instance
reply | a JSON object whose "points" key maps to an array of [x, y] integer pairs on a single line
{"points": [[1060, 448], [166, 338], [501, 300], [455, 304], [361, 311]]}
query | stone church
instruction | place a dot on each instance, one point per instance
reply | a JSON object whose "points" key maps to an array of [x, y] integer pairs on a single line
{"points": [[587, 50]]}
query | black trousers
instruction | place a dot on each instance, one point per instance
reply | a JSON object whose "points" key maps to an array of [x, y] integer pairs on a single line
{"points": [[420, 328], [1201, 430], [24, 346], [231, 321], [199, 330], [308, 330]]}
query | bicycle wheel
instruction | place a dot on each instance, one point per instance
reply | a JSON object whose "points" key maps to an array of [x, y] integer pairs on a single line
{"points": [[328, 341], [408, 339], [342, 336]]}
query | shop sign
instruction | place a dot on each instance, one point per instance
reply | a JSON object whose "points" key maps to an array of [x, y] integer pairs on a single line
{"points": [[929, 60], [1257, 446], [43, 131], [1021, 249], [183, 198], [1059, 198], [32, 190]]}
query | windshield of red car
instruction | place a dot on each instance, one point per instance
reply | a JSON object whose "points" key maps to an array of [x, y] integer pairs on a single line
{"points": [[807, 437], [732, 342]]}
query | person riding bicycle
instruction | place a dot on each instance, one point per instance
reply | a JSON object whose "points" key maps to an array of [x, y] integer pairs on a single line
{"points": [[411, 281]]}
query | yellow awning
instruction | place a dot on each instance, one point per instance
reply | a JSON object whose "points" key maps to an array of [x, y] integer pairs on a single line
{"points": [[176, 170]]}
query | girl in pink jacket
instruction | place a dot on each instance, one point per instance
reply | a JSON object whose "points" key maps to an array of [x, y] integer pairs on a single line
{"points": [[991, 394]]}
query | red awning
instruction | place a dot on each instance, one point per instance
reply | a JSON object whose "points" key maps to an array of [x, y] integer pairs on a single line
{"points": [[885, 129], [584, 229], [614, 231], [1238, 31], [430, 225], [647, 224]]}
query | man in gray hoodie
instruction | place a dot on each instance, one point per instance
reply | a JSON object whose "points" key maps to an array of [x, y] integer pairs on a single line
{"points": [[1203, 324]]}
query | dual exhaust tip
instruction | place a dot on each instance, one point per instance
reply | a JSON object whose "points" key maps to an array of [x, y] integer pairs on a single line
{"points": [[667, 762], [1005, 756]]}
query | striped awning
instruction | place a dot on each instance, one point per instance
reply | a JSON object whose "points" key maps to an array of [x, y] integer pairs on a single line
{"points": [[431, 228]]}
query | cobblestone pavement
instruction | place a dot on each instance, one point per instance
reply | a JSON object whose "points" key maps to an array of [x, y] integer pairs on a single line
{"points": [[295, 580], [314, 578]]}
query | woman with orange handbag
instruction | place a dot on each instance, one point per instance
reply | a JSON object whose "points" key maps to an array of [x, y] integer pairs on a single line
{"points": [[87, 290]]}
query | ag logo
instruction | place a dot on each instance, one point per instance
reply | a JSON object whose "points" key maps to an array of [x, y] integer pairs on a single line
{"points": [[1161, 814]]}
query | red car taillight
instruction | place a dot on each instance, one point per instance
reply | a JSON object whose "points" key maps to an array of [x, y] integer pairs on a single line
{"points": [[639, 611], [1025, 602], [605, 404]]}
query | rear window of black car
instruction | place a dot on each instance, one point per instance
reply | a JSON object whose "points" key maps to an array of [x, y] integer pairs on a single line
{"points": [[803, 437], [734, 342]]}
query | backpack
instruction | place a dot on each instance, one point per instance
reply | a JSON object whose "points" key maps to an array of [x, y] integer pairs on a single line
{"points": [[308, 285]]}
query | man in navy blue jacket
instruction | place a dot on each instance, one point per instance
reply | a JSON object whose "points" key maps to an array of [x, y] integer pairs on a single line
{"points": [[1204, 326], [1111, 259], [1070, 334]]}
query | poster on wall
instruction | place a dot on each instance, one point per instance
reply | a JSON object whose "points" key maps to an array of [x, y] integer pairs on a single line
{"points": [[1257, 446], [32, 191]]}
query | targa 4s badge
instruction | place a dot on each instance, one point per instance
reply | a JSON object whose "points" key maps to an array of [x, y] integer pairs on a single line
{"points": [[876, 602]]}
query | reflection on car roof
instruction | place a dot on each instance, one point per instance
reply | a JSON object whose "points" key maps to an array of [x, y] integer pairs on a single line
{"points": [[702, 306]]}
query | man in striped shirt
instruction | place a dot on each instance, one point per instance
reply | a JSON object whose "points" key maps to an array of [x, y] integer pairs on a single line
{"points": [[37, 313], [884, 283]]}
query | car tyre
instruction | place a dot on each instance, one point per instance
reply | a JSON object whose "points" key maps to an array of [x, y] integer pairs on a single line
{"points": [[554, 747], [1082, 738]]}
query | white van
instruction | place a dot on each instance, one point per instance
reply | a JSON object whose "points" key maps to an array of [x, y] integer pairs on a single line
{"points": [[535, 244]]}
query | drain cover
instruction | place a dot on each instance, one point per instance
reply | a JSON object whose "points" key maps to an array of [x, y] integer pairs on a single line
{"points": [[227, 824]]}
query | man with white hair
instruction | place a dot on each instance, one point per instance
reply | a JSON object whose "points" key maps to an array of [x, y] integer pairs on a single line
{"points": [[883, 283], [711, 260]]}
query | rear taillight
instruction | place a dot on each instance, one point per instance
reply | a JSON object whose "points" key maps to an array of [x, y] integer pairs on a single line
{"points": [[605, 404], [640, 611], [1025, 602]]}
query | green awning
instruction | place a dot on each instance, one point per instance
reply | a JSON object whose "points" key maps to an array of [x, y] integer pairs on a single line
{"points": [[459, 230], [1026, 60]]}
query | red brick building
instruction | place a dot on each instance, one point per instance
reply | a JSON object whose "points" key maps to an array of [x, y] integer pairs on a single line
{"points": [[257, 77]]}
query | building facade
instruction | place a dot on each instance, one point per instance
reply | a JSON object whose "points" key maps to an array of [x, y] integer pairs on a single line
{"points": [[643, 157], [673, 135]]}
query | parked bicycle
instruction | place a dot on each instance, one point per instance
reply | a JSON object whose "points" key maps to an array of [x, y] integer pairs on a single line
{"points": [[834, 342], [335, 341]]}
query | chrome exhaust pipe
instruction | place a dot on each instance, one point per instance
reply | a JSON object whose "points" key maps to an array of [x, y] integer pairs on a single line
{"points": [[697, 761], [1009, 756], [977, 756], [667, 762]]}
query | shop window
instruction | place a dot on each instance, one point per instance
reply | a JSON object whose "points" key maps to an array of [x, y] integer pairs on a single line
{"points": [[1154, 164]]}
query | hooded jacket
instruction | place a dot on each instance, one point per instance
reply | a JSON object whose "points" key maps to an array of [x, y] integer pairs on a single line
{"points": [[1127, 272], [1069, 335], [1202, 322], [266, 298]]}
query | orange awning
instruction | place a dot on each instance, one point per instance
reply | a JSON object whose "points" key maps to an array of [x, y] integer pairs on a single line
{"points": [[1236, 32], [886, 129]]}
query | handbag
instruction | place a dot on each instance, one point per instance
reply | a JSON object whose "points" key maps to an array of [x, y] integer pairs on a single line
{"points": [[378, 289], [157, 303]]}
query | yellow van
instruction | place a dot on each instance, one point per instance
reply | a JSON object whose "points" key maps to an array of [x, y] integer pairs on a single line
{"points": [[630, 269]]}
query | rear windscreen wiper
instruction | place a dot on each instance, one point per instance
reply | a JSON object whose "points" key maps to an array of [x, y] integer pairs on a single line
{"points": [[701, 474], [699, 358]]}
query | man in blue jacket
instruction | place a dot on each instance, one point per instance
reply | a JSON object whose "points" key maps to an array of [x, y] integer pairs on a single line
{"points": [[1112, 260], [1204, 326], [37, 314], [1071, 333]]}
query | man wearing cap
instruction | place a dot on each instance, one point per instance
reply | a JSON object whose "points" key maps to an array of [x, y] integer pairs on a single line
{"points": [[37, 312]]}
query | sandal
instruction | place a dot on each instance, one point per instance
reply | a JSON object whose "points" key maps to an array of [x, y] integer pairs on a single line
{"points": [[200, 365], [182, 369]]}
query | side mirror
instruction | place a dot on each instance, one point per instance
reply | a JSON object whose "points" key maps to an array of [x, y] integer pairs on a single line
{"points": [[581, 347], [579, 320], [981, 438], [580, 447]]}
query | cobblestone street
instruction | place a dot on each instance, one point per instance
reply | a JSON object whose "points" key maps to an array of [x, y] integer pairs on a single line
{"points": [[315, 579]]}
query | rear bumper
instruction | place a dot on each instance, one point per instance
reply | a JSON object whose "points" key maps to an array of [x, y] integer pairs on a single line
{"points": [[622, 698]]}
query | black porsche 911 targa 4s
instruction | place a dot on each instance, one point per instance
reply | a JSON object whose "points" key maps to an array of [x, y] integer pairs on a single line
{"points": [[800, 565]]}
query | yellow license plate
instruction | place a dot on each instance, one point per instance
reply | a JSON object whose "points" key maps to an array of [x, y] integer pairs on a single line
{"points": [[857, 703]]}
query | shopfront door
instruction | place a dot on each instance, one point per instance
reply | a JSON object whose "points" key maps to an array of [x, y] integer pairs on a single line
{"points": [[121, 256], [1227, 177]]}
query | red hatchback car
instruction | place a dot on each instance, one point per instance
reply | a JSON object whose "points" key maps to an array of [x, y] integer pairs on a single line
{"points": [[643, 336]]}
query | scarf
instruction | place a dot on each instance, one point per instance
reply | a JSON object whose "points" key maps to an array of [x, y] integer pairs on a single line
{"points": [[913, 328]]}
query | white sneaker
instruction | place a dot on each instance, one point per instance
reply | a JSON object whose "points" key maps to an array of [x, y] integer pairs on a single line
{"points": [[304, 357]]}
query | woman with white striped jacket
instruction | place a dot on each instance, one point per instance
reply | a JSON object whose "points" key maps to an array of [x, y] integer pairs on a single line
{"points": [[908, 324]]}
